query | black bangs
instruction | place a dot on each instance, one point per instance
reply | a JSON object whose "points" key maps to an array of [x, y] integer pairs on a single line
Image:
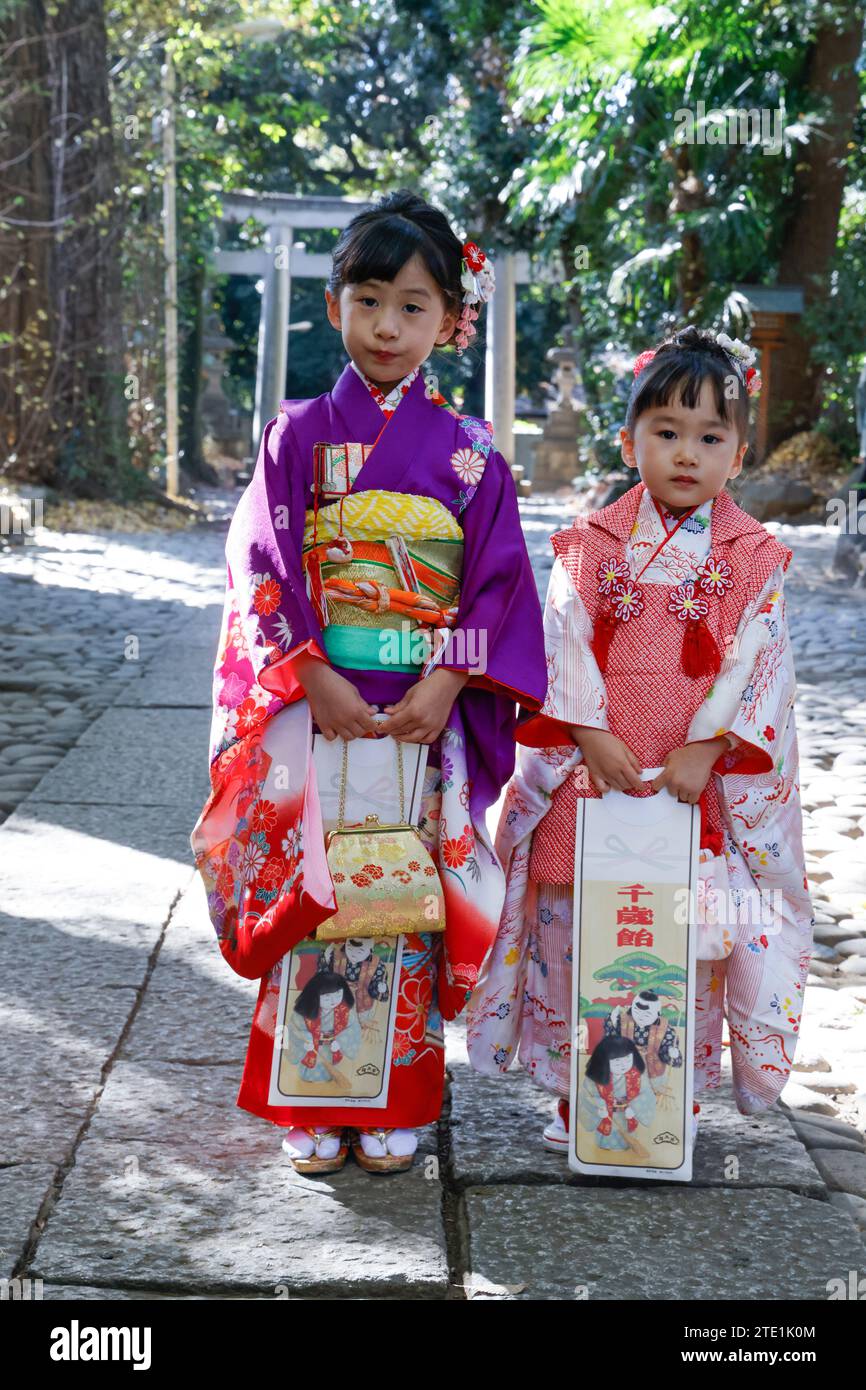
{"points": [[380, 251], [676, 376], [377, 244]]}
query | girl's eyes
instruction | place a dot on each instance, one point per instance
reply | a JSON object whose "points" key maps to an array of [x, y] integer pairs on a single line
{"points": [[706, 436], [368, 299]]}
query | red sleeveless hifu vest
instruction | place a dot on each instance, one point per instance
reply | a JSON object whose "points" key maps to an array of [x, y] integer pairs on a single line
{"points": [[650, 700]]}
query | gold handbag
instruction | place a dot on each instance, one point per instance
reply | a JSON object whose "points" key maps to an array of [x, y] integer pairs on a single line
{"points": [[384, 878]]}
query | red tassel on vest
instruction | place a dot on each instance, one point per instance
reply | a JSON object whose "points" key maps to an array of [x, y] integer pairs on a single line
{"points": [[605, 626], [709, 839], [701, 655]]}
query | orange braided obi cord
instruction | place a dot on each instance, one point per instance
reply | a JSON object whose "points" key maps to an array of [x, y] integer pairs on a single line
{"points": [[378, 598], [379, 560]]}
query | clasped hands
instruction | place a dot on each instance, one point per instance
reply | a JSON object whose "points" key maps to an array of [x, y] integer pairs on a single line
{"points": [[611, 763], [340, 711]]}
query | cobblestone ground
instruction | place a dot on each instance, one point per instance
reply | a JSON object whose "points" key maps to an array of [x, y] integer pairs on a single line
{"points": [[127, 1171]]}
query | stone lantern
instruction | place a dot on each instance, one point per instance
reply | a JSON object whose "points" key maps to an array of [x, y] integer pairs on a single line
{"points": [[557, 458]]}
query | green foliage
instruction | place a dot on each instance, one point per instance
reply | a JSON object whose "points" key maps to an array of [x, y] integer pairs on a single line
{"points": [[667, 228], [547, 126], [836, 323], [345, 101]]}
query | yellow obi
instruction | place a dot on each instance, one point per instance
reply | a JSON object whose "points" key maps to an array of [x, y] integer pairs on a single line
{"points": [[398, 541]]}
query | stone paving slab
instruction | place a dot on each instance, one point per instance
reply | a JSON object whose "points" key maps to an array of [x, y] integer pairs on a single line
{"points": [[185, 1108], [628, 1244], [185, 683], [173, 1215], [59, 1035], [180, 673], [196, 1018], [45, 1132], [22, 1188], [134, 757], [52, 1293], [196, 1008], [72, 963], [497, 1123], [133, 861]]}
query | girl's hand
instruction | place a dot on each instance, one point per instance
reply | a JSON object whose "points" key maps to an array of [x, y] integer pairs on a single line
{"points": [[687, 770], [336, 706], [421, 714], [611, 762]]}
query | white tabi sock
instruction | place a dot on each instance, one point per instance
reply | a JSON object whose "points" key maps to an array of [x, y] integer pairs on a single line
{"points": [[401, 1142], [299, 1144]]}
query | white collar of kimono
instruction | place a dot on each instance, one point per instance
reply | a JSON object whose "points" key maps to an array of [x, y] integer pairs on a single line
{"points": [[677, 561], [395, 395]]}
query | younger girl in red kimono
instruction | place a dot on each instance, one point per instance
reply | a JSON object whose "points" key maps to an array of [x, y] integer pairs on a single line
{"points": [[667, 647], [312, 582]]}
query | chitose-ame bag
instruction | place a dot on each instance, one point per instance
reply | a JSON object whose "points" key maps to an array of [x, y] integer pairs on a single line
{"points": [[384, 877]]}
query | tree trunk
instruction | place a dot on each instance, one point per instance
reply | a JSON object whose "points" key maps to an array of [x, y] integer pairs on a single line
{"points": [[809, 242], [25, 245], [67, 423], [688, 194], [86, 263], [191, 366]]}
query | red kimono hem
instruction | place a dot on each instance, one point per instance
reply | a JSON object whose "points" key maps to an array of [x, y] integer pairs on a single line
{"points": [[306, 1117]]}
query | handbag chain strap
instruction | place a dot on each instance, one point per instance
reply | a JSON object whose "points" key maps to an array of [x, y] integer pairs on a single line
{"points": [[345, 777]]}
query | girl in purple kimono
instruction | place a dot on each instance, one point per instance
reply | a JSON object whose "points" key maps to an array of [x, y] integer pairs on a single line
{"points": [[374, 506]]}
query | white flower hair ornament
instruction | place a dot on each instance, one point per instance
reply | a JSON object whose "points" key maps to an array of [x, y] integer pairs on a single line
{"points": [[735, 347], [744, 358], [478, 283], [740, 354]]}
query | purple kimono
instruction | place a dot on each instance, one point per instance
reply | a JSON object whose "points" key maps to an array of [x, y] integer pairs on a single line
{"points": [[434, 477]]}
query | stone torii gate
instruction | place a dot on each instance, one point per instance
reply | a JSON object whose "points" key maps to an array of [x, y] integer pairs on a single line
{"points": [[281, 259]]}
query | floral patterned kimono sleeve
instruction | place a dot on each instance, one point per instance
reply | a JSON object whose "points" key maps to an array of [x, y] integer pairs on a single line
{"points": [[266, 575], [754, 690], [575, 686], [498, 613], [258, 841]]}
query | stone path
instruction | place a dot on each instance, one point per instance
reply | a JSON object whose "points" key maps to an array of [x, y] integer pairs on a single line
{"points": [[127, 1171]]}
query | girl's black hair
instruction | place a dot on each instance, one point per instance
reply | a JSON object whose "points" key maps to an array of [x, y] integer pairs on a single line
{"points": [[681, 365], [378, 242], [598, 1067], [309, 1001]]}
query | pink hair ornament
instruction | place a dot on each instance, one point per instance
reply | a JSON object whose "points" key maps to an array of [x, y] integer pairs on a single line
{"points": [[478, 283]]}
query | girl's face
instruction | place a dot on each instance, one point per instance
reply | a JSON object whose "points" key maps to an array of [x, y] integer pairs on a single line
{"points": [[390, 327], [684, 455], [619, 1066]]}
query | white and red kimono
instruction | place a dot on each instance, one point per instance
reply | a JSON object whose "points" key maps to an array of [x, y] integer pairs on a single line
{"points": [[751, 822]]}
